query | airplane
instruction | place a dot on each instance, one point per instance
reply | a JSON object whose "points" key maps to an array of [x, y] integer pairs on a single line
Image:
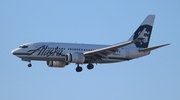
{"points": [[61, 54]]}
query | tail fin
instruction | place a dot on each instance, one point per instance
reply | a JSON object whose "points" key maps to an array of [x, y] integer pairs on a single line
{"points": [[145, 27]]}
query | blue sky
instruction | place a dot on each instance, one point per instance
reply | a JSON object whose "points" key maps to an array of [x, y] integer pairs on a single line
{"points": [[154, 77]]}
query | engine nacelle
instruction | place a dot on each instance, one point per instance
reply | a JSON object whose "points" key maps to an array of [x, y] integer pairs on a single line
{"points": [[75, 58], [56, 64]]}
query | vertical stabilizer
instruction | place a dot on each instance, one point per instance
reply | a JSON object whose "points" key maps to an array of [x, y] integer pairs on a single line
{"points": [[145, 27]]}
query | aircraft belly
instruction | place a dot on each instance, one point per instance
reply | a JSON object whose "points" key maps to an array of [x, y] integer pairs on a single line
{"points": [[44, 58]]}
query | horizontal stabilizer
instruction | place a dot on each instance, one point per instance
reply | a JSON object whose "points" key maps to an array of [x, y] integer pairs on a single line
{"points": [[152, 48]]}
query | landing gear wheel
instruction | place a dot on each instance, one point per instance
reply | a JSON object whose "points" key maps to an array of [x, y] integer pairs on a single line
{"points": [[90, 66], [78, 69], [29, 65]]}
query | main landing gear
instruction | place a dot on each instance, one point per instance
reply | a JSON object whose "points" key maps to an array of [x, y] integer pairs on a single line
{"points": [[90, 66], [79, 68]]}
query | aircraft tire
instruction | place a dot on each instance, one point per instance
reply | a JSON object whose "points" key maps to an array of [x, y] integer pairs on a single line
{"points": [[90, 66], [78, 69], [29, 65]]}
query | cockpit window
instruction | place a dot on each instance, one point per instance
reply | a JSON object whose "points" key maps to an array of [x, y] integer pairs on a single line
{"points": [[23, 46]]}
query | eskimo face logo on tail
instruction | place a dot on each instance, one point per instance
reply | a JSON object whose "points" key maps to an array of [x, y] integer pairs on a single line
{"points": [[146, 37], [47, 51]]}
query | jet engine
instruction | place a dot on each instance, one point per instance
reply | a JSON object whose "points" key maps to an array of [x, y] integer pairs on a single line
{"points": [[56, 64], [75, 58]]}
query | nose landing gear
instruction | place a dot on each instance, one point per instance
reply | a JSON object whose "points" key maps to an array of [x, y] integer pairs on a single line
{"points": [[29, 65], [28, 60]]}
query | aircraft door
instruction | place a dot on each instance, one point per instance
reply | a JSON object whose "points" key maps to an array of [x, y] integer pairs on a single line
{"points": [[127, 52]]}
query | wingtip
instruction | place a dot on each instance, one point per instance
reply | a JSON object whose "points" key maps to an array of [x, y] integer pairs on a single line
{"points": [[167, 44]]}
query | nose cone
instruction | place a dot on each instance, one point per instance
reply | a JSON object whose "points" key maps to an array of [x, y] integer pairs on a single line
{"points": [[14, 52]]}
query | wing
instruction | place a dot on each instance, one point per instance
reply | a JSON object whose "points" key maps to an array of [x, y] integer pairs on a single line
{"points": [[108, 50], [103, 52]]}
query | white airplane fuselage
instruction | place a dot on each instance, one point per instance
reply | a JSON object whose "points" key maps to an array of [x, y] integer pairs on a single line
{"points": [[49, 51]]}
